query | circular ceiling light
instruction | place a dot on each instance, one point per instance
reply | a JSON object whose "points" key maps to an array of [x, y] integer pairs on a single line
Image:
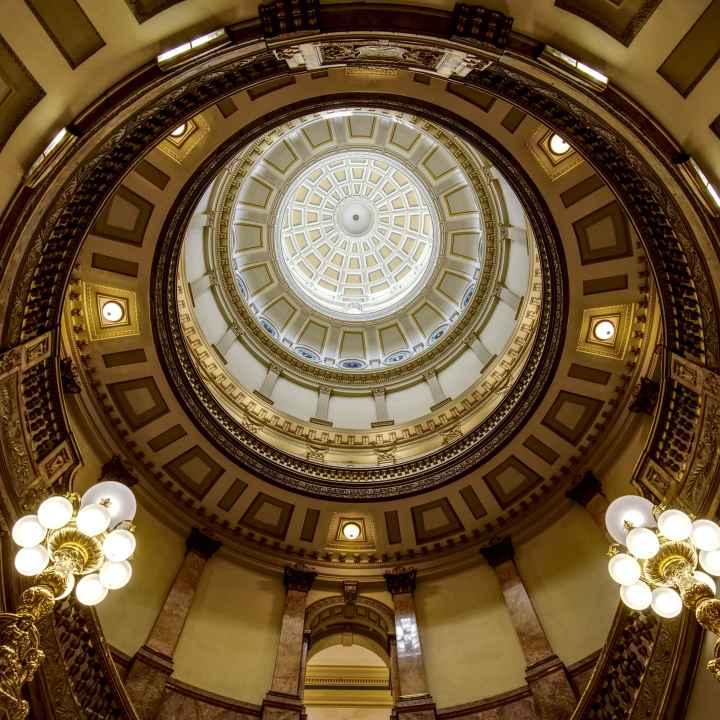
{"points": [[179, 130], [351, 531], [113, 311], [558, 146], [604, 330], [356, 234]]}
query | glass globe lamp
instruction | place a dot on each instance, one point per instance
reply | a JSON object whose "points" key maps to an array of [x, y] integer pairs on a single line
{"points": [[69, 587], [666, 602], [115, 575], [637, 596], [55, 512], [706, 579], [90, 590], [630, 510], [710, 561], [116, 498], [675, 525], [119, 545], [624, 569], [92, 520], [28, 532], [31, 561], [643, 543], [706, 535]]}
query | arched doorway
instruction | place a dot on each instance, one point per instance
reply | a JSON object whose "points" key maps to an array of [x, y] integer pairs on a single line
{"points": [[350, 650]]}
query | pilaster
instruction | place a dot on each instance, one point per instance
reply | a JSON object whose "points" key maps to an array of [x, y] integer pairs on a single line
{"points": [[152, 665], [413, 700], [545, 673], [284, 699]]}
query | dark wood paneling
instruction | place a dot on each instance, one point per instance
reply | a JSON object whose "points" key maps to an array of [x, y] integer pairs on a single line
{"points": [[167, 437], [539, 448], [231, 495], [392, 525], [124, 357], [310, 525], [581, 190], [589, 374]]}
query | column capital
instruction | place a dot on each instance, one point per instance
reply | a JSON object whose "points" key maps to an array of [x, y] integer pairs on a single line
{"points": [[297, 578], [115, 469], [588, 487], [401, 581], [202, 544], [498, 553]]}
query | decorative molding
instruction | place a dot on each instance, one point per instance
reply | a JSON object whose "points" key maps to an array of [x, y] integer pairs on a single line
{"points": [[401, 581]]}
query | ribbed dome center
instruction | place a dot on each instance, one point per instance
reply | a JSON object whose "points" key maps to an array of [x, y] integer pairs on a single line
{"points": [[356, 234]]}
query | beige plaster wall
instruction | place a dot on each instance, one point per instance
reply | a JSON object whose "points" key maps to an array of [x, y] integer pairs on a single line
{"points": [[565, 572], [329, 712], [469, 644], [127, 615], [230, 639]]}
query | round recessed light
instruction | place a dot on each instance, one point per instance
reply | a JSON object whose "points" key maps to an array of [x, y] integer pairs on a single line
{"points": [[179, 130], [558, 146], [351, 531], [113, 311], [604, 330]]}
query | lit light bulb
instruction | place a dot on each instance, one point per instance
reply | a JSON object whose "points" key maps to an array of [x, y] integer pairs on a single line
{"points": [[179, 130], [93, 520], [637, 596], [90, 590], [119, 545], [28, 532], [710, 561], [115, 575], [55, 512], [69, 585], [666, 602], [642, 543], [624, 569], [626, 512], [116, 498], [351, 531], [706, 535], [633, 517], [113, 311], [675, 525], [32, 560], [604, 330], [704, 578], [558, 146]]}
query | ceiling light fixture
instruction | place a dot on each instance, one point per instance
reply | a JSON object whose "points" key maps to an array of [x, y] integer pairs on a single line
{"points": [[113, 311], [655, 562], [351, 531], [604, 330], [558, 146], [179, 130], [72, 543]]}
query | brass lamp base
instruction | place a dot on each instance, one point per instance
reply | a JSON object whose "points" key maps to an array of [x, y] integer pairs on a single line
{"points": [[20, 654], [673, 566]]}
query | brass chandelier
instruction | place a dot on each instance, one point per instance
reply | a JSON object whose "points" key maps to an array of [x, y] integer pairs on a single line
{"points": [[665, 559], [72, 543]]}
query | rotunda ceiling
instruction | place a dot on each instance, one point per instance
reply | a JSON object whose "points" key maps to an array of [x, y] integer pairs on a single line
{"points": [[469, 435]]}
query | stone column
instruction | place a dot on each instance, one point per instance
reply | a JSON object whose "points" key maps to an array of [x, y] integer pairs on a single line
{"points": [[438, 394], [382, 417], [284, 699], [268, 384], [322, 409], [545, 673], [153, 663], [589, 494], [481, 352], [414, 701]]}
